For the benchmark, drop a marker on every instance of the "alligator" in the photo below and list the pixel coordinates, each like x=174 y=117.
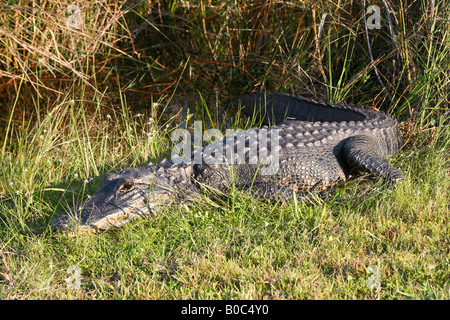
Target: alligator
x=303 y=146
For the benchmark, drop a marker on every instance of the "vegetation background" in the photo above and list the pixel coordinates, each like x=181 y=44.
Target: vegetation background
x=88 y=87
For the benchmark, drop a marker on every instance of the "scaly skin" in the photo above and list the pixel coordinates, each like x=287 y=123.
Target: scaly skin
x=314 y=149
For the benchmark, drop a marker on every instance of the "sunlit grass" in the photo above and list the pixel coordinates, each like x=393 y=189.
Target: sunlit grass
x=59 y=140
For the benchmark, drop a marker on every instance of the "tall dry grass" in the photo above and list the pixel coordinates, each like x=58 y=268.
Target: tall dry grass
x=318 y=48
x=56 y=37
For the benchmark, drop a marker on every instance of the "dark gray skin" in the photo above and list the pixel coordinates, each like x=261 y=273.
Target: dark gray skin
x=318 y=146
x=129 y=194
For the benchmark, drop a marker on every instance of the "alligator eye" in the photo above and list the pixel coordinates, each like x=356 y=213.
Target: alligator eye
x=127 y=185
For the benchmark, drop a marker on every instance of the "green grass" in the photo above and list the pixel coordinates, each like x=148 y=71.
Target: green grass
x=69 y=117
x=234 y=248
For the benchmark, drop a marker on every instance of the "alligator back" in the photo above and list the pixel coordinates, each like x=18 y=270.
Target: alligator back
x=274 y=108
x=316 y=146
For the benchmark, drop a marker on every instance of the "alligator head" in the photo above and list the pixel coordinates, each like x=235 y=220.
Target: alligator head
x=127 y=195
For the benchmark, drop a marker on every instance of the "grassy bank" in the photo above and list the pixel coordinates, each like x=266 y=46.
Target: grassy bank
x=236 y=248
x=78 y=103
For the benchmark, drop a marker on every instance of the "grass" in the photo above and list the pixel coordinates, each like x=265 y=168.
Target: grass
x=62 y=134
x=235 y=248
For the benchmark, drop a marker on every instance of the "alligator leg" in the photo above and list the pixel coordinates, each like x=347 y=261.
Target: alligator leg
x=361 y=152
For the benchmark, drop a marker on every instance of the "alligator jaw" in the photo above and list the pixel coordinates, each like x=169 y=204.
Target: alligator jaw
x=125 y=196
x=90 y=219
x=103 y=211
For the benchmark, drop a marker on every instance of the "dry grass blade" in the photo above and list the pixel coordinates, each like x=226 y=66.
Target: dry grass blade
x=48 y=37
